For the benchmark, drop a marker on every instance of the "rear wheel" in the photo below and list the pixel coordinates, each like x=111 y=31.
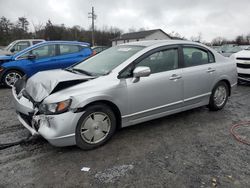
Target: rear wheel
x=95 y=127
x=219 y=96
x=10 y=77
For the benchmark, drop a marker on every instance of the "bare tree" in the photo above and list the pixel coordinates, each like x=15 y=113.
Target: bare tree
x=197 y=38
x=37 y=28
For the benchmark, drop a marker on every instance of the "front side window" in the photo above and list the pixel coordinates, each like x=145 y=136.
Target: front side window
x=109 y=59
x=68 y=49
x=195 y=56
x=211 y=57
x=161 y=61
x=42 y=52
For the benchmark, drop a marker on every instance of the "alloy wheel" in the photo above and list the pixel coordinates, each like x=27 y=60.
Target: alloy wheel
x=11 y=78
x=220 y=95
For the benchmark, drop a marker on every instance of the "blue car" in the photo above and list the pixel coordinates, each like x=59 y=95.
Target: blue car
x=43 y=56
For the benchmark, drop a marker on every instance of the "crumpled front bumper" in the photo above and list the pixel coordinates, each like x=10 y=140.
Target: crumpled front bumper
x=58 y=129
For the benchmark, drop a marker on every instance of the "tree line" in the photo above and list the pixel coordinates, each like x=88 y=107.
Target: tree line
x=239 y=40
x=10 y=31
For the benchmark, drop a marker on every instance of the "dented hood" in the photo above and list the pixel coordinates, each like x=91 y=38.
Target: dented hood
x=42 y=84
x=4 y=52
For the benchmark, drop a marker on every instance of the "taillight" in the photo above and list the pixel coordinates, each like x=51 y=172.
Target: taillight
x=1 y=69
x=94 y=53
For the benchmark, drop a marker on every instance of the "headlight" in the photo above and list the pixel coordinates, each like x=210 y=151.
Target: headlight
x=55 y=108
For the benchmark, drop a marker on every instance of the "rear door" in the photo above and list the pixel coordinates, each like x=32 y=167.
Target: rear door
x=70 y=54
x=199 y=73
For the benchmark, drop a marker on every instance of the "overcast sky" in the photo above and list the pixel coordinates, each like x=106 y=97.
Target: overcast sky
x=212 y=18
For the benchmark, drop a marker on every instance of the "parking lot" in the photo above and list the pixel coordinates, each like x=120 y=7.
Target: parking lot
x=189 y=149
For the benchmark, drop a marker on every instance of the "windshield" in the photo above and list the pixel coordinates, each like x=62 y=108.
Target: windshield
x=109 y=59
x=230 y=49
x=9 y=46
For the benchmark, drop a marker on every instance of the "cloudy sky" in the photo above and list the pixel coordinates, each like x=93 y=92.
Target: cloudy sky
x=211 y=18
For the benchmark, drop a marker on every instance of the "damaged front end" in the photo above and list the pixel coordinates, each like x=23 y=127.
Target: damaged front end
x=55 y=121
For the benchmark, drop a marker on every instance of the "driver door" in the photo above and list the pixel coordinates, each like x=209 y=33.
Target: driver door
x=159 y=93
x=44 y=59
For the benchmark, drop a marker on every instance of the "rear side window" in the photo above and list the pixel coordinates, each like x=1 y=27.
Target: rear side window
x=36 y=42
x=69 y=49
x=195 y=56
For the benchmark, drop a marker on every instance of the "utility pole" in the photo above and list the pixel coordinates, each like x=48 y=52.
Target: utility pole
x=92 y=15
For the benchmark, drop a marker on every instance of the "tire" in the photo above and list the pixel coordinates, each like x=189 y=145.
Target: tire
x=96 y=126
x=11 y=74
x=219 y=96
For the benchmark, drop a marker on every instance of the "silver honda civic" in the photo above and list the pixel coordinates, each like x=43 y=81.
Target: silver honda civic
x=124 y=85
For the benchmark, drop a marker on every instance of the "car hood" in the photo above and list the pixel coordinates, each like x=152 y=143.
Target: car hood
x=243 y=53
x=5 y=57
x=42 y=84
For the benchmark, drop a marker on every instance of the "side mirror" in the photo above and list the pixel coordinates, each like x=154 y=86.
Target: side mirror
x=12 y=50
x=31 y=56
x=141 y=72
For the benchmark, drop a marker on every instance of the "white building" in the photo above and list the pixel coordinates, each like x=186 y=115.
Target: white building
x=156 y=34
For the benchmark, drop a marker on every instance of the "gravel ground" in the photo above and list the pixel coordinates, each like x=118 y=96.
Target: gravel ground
x=189 y=149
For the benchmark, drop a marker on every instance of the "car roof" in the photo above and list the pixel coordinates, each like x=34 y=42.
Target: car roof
x=98 y=46
x=29 y=40
x=65 y=42
x=148 y=43
x=51 y=42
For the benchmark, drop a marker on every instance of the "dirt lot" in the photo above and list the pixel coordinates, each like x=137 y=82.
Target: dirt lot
x=190 y=149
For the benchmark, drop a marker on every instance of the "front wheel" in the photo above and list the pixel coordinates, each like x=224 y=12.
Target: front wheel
x=95 y=127
x=219 y=96
x=10 y=77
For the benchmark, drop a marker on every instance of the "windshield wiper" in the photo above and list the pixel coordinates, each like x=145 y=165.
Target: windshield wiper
x=69 y=69
x=74 y=70
x=79 y=70
x=83 y=71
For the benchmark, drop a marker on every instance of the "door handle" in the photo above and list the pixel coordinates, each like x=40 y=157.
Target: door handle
x=210 y=70
x=175 y=77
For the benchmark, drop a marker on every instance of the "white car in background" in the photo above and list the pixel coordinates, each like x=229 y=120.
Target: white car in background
x=242 y=59
x=19 y=45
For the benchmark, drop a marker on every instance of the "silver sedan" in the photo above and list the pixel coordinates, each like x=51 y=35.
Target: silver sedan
x=128 y=84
